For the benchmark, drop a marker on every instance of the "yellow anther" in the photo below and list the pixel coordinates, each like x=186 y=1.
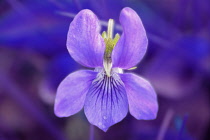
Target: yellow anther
x=104 y=35
x=133 y=68
x=116 y=38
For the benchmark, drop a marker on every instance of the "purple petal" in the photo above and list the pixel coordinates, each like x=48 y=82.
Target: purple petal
x=132 y=45
x=106 y=102
x=72 y=91
x=84 y=42
x=142 y=98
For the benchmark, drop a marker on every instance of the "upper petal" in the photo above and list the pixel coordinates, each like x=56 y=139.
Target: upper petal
x=106 y=102
x=84 y=42
x=132 y=45
x=72 y=91
x=142 y=98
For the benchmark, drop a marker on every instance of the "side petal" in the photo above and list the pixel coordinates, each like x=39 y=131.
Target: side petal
x=72 y=91
x=84 y=42
x=142 y=98
x=106 y=102
x=132 y=45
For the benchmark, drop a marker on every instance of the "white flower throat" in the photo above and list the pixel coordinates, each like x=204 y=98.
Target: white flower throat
x=110 y=43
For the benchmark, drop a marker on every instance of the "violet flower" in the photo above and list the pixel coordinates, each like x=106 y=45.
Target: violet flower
x=106 y=93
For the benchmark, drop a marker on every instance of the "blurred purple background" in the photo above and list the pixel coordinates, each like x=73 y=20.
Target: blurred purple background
x=34 y=60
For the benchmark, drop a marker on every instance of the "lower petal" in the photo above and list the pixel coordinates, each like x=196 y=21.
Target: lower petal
x=106 y=102
x=141 y=97
x=72 y=91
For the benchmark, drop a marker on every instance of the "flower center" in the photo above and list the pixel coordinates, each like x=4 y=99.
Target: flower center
x=110 y=44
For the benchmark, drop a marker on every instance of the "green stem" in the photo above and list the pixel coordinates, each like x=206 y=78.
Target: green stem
x=91 y=136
